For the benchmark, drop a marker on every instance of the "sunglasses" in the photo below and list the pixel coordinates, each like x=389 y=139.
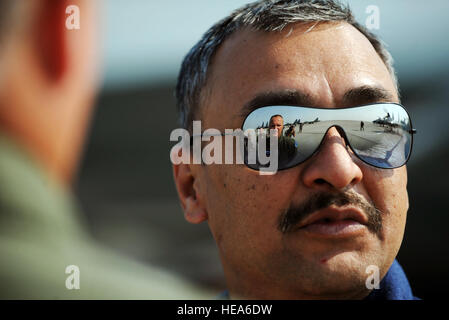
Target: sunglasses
x=379 y=134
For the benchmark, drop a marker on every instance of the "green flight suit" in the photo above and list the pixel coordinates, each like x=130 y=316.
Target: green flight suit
x=41 y=234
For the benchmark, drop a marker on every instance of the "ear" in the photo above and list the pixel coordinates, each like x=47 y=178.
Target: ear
x=50 y=38
x=194 y=210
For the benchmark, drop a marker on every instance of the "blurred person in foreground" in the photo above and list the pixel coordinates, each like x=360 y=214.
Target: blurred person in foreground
x=48 y=79
x=317 y=229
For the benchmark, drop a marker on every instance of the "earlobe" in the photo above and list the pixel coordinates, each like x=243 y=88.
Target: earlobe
x=194 y=210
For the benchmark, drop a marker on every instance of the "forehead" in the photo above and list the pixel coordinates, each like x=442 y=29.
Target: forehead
x=276 y=119
x=323 y=63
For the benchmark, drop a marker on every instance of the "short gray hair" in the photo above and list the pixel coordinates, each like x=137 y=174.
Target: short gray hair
x=262 y=15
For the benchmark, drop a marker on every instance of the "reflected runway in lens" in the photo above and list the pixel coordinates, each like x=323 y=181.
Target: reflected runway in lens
x=382 y=146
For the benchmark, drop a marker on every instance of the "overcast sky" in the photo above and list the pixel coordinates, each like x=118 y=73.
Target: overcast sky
x=145 y=40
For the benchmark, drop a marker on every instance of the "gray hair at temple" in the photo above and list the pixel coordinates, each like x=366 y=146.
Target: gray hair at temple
x=262 y=15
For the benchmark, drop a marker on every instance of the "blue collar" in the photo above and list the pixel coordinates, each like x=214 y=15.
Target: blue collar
x=394 y=286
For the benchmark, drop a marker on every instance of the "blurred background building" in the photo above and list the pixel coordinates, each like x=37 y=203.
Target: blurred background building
x=125 y=181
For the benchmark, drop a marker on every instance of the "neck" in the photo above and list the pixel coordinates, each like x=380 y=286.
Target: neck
x=273 y=293
x=263 y=287
x=50 y=153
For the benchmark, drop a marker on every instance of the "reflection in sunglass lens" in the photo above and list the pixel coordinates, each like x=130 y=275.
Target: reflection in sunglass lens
x=379 y=134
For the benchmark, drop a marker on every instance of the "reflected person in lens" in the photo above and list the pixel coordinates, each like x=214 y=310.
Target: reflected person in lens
x=286 y=145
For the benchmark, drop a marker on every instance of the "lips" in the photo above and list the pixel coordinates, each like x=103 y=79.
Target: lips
x=335 y=222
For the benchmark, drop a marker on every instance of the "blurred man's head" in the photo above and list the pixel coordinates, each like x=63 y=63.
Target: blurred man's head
x=48 y=77
x=307 y=53
x=277 y=122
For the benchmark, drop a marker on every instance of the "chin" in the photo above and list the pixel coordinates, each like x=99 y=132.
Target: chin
x=347 y=261
x=342 y=276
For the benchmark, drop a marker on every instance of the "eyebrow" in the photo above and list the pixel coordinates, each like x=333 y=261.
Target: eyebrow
x=275 y=98
x=366 y=95
x=353 y=97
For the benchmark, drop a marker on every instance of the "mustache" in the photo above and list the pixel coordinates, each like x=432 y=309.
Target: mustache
x=297 y=213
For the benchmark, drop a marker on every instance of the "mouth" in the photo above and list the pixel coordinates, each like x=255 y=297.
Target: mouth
x=335 y=223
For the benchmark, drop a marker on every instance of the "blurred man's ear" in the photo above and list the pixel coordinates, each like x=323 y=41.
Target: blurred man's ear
x=52 y=78
x=58 y=47
x=194 y=210
x=50 y=38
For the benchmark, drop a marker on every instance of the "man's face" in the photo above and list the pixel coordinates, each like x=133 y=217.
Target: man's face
x=277 y=123
x=332 y=66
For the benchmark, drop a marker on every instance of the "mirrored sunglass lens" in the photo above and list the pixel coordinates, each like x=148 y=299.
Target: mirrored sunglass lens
x=379 y=134
x=298 y=133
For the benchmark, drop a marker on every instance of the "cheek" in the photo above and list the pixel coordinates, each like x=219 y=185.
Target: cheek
x=244 y=206
x=388 y=190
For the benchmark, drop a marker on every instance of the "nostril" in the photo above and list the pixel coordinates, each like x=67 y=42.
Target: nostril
x=320 y=181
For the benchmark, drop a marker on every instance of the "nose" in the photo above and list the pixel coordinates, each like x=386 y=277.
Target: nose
x=333 y=167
